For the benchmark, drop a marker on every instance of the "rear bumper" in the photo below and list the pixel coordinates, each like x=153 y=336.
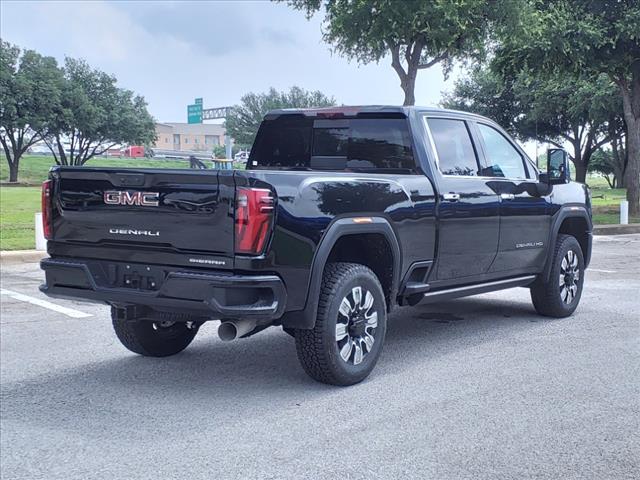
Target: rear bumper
x=162 y=288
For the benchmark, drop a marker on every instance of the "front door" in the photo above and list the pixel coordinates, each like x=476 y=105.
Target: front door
x=468 y=209
x=524 y=213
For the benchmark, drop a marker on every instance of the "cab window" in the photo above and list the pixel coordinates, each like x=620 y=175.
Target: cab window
x=456 y=155
x=503 y=159
x=357 y=144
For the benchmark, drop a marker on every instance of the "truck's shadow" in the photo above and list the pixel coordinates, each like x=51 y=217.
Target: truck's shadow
x=259 y=375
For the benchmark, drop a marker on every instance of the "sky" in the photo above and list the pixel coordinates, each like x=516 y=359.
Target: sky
x=172 y=52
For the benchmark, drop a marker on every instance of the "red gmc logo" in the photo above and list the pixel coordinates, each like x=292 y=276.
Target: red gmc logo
x=140 y=199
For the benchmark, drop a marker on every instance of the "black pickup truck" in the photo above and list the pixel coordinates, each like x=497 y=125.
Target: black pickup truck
x=342 y=215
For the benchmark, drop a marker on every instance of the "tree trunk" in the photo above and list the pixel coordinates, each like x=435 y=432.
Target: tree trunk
x=631 y=106
x=408 y=76
x=611 y=183
x=408 y=87
x=632 y=173
x=578 y=162
x=618 y=174
x=9 y=153
x=586 y=160
x=618 y=163
x=581 y=172
x=13 y=172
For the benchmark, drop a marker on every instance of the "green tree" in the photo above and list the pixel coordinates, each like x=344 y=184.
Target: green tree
x=220 y=151
x=583 y=36
x=602 y=162
x=243 y=121
x=30 y=88
x=556 y=109
x=611 y=162
x=95 y=115
x=486 y=93
x=418 y=34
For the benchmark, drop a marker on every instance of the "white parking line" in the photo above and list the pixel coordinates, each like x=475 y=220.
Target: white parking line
x=600 y=270
x=44 y=304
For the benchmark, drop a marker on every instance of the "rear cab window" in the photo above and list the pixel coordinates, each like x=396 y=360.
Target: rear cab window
x=456 y=153
x=298 y=142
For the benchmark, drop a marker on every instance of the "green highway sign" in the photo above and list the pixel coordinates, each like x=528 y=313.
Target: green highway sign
x=199 y=101
x=194 y=112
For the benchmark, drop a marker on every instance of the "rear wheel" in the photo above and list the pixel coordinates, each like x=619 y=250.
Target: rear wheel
x=347 y=339
x=560 y=294
x=154 y=338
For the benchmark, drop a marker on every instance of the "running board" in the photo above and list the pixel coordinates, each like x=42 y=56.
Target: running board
x=457 y=292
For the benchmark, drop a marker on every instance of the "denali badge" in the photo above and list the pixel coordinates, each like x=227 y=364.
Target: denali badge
x=128 y=231
x=141 y=199
x=529 y=245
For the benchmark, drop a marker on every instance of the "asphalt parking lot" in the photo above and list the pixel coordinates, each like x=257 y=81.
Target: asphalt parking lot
x=480 y=387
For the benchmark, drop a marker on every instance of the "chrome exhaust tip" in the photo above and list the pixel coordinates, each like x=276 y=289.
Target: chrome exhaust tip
x=233 y=329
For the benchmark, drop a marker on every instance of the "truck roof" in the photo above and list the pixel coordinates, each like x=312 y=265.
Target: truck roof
x=354 y=110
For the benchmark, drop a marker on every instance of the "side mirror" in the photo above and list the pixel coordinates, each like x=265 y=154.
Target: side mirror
x=557 y=166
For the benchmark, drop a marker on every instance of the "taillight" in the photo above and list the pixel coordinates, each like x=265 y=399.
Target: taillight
x=46 y=209
x=254 y=214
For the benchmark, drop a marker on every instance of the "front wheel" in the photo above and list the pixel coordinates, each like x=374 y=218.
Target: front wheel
x=560 y=294
x=347 y=339
x=153 y=338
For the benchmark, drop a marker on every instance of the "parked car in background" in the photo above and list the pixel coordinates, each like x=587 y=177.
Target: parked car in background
x=39 y=148
x=242 y=156
x=114 y=152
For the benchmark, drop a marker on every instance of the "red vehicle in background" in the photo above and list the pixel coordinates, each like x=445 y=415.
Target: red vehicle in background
x=134 y=151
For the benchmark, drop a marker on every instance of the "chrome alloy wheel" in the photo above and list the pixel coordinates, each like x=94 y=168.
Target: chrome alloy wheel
x=569 y=277
x=356 y=325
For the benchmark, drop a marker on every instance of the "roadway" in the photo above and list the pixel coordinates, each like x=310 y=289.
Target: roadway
x=477 y=388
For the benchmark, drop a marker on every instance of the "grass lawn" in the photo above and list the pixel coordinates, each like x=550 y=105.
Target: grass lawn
x=17 y=208
x=606 y=202
x=18 y=204
x=34 y=168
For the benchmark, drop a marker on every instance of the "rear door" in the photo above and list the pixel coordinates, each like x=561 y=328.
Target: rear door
x=524 y=213
x=468 y=209
x=172 y=210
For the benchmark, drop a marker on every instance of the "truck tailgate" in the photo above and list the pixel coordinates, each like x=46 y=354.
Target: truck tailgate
x=180 y=210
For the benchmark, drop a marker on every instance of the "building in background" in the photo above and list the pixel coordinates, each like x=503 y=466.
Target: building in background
x=194 y=137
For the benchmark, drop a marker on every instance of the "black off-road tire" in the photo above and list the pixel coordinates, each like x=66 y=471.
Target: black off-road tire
x=153 y=339
x=318 y=349
x=547 y=296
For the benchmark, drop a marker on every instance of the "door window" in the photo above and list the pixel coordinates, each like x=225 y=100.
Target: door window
x=456 y=155
x=503 y=160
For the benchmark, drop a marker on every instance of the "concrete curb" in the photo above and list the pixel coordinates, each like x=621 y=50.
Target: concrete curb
x=616 y=229
x=21 y=256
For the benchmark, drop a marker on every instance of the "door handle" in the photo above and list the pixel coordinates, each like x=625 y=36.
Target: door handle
x=507 y=196
x=451 y=197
